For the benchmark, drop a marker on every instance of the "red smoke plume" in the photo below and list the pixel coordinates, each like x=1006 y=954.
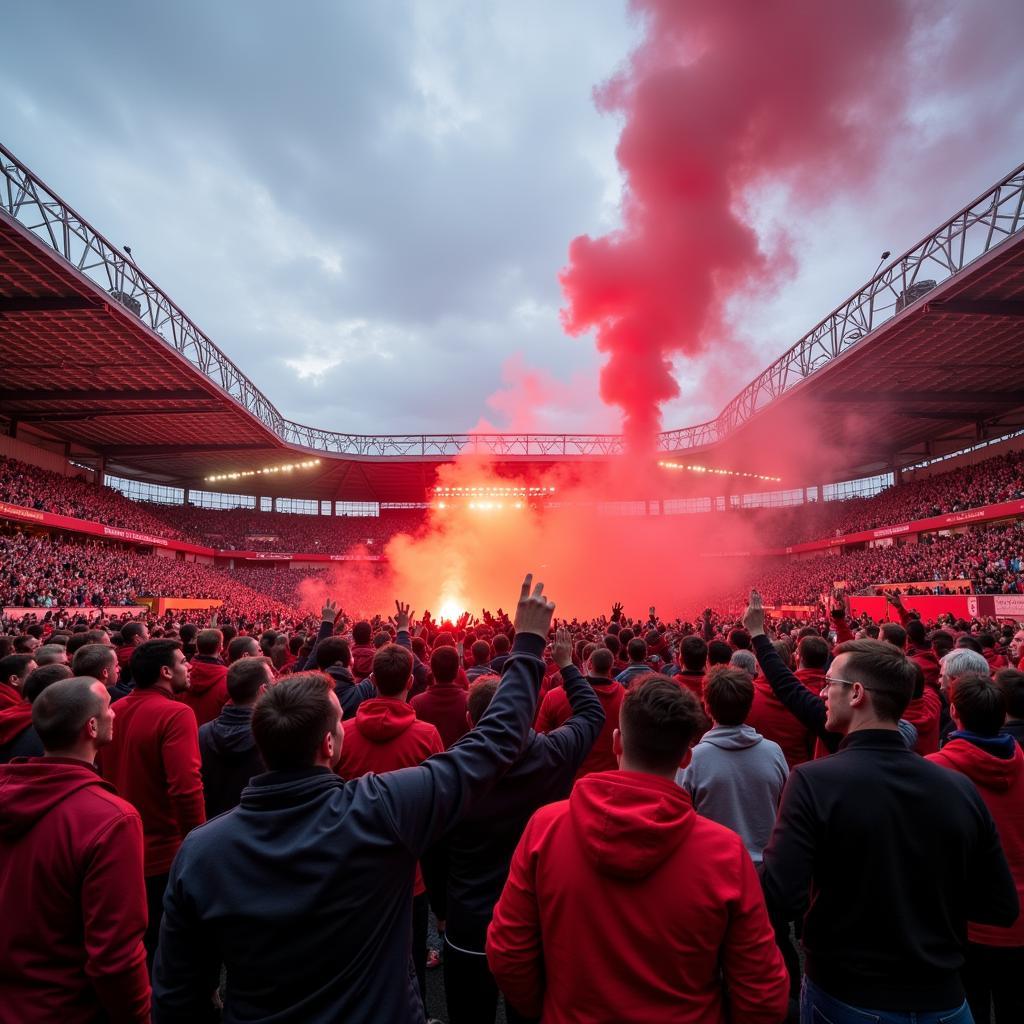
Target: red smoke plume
x=723 y=97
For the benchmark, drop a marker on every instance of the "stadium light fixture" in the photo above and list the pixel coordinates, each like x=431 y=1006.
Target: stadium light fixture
x=678 y=466
x=265 y=471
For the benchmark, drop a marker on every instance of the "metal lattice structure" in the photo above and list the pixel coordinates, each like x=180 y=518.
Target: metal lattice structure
x=976 y=230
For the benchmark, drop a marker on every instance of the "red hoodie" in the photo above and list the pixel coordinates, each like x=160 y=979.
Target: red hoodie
x=929 y=665
x=623 y=904
x=154 y=763
x=925 y=714
x=774 y=721
x=1000 y=783
x=385 y=735
x=207 y=689
x=362 y=661
x=14 y=720
x=9 y=696
x=812 y=678
x=443 y=705
x=555 y=710
x=73 y=897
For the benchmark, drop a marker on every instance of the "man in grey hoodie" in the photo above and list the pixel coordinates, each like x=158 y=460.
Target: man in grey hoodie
x=227 y=745
x=735 y=776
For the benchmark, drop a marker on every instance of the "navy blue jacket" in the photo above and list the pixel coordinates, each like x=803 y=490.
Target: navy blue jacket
x=229 y=758
x=480 y=847
x=304 y=891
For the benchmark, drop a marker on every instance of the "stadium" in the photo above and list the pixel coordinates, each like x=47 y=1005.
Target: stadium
x=720 y=724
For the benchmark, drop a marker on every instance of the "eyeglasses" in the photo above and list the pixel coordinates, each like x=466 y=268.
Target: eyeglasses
x=829 y=680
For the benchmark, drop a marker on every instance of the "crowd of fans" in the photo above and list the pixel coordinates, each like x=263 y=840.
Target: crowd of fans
x=277 y=810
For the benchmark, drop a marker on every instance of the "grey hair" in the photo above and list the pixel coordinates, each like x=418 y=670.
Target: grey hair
x=962 y=660
x=744 y=660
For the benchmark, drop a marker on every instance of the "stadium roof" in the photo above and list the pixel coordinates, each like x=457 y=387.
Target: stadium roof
x=98 y=361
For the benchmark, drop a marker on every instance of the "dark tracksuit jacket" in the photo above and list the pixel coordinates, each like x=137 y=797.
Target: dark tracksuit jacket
x=304 y=891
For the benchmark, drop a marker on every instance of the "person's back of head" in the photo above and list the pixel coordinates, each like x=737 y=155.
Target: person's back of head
x=602 y=661
x=243 y=647
x=76 y=642
x=392 y=670
x=611 y=641
x=893 y=633
x=209 y=642
x=444 y=665
x=941 y=643
x=93 y=660
x=658 y=721
x=693 y=653
x=132 y=632
x=872 y=630
x=501 y=644
x=481 y=652
x=719 y=653
x=739 y=640
x=729 y=695
x=188 y=633
x=744 y=661
x=246 y=679
x=292 y=719
x=149 y=658
x=978 y=704
x=968 y=643
x=481 y=693
x=783 y=650
x=381 y=638
x=637 y=650
x=361 y=633
x=916 y=633
x=228 y=633
x=25 y=644
x=39 y=679
x=63 y=710
x=960 y=662
x=884 y=672
x=333 y=650
x=1011 y=682
x=50 y=654
x=813 y=652
x=986 y=640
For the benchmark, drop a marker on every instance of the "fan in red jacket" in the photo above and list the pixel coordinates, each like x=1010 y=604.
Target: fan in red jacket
x=443 y=705
x=71 y=888
x=924 y=711
x=995 y=764
x=384 y=735
x=623 y=904
x=14 y=670
x=555 y=711
x=207 y=689
x=363 y=651
x=154 y=763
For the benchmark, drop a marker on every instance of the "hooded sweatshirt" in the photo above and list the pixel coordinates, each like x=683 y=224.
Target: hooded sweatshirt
x=995 y=765
x=9 y=696
x=555 y=711
x=773 y=720
x=735 y=777
x=362 y=660
x=229 y=758
x=623 y=904
x=207 y=689
x=350 y=694
x=443 y=705
x=73 y=898
x=385 y=734
x=14 y=720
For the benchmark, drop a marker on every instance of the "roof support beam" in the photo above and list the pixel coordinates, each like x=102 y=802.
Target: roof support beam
x=902 y=397
x=45 y=304
x=92 y=395
x=94 y=414
x=978 y=307
x=124 y=450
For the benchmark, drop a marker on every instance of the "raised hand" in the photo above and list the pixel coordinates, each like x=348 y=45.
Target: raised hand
x=616 y=611
x=753 y=617
x=534 y=611
x=404 y=615
x=329 y=612
x=561 y=649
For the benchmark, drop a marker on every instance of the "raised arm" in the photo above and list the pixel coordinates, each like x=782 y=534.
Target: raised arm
x=571 y=741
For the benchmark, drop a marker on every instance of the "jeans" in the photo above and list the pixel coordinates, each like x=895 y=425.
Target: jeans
x=818 y=1007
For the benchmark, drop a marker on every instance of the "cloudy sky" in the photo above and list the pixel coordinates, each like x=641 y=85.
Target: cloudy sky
x=366 y=205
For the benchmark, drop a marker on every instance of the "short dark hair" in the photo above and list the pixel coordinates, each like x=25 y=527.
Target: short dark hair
x=331 y=651
x=291 y=719
x=48 y=653
x=92 y=660
x=729 y=695
x=814 y=652
x=60 y=712
x=740 y=639
x=637 y=649
x=392 y=669
x=361 y=633
x=942 y=641
x=240 y=646
x=130 y=630
x=601 y=661
x=1011 y=682
x=381 y=638
x=501 y=644
x=893 y=633
x=245 y=678
x=151 y=656
x=980 y=704
x=659 y=720
x=481 y=693
x=40 y=678
x=209 y=642
x=15 y=665
x=693 y=653
x=444 y=664
x=885 y=671
x=188 y=632
x=481 y=652
x=611 y=641
x=229 y=633
x=916 y=632
x=719 y=652
x=23 y=643
x=969 y=642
